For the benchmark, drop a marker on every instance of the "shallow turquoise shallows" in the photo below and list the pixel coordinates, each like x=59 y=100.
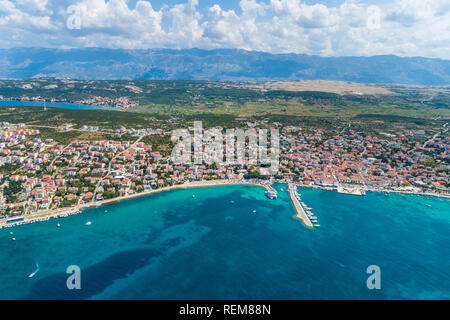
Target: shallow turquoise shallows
x=212 y=245
x=62 y=105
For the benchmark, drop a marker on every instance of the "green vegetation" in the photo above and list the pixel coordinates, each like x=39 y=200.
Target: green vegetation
x=12 y=190
x=430 y=162
x=158 y=100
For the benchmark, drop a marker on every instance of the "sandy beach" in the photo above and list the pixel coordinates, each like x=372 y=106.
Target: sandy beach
x=300 y=213
x=63 y=212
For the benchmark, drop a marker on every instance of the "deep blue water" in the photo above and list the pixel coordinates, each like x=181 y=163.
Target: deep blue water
x=173 y=246
x=63 y=105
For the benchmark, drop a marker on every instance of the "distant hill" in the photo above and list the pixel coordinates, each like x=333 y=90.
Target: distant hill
x=222 y=64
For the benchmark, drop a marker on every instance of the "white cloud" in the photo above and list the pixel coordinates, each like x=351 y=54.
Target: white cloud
x=15 y=19
x=406 y=27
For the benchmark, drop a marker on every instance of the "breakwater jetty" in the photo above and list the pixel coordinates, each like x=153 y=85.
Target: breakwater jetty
x=271 y=193
x=300 y=211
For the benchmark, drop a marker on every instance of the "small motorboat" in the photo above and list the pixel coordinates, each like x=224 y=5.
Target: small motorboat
x=58 y=225
x=13 y=239
x=88 y=223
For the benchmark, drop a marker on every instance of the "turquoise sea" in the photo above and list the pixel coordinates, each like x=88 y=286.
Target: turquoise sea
x=62 y=105
x=172 y=245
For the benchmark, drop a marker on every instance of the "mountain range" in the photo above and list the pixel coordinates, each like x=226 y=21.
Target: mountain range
x=220 y=64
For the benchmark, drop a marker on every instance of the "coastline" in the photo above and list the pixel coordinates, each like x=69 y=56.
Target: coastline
x=428 y=194
x=64 y=212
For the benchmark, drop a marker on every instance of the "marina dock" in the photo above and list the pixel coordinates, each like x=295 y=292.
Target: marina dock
x=301 y=214
x=354 y=190
x=271 y=193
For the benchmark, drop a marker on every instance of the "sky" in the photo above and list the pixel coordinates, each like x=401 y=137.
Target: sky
x=325 y=28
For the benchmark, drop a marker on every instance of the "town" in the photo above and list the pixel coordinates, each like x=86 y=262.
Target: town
x=40 y=174
x=99 y=101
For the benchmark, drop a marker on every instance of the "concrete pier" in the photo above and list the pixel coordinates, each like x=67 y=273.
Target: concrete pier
x=301 y=214
x=348 y=189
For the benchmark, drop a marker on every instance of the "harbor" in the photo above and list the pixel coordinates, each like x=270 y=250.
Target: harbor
x=271 y=193
x=356 y=190
x=300 y=210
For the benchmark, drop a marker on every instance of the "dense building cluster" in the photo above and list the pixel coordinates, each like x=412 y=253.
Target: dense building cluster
x=42 y=174
x=395 y=162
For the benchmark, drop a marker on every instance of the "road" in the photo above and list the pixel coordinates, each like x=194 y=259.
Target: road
x=110 y=164
x=445 y=129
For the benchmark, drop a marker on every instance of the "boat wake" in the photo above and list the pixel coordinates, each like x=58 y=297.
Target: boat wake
x=34 y=273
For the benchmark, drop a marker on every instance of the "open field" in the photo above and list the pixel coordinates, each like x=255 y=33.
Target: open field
x=338 y=87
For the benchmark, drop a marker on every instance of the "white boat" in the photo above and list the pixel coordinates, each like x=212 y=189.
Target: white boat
x=34 y=273
x=193 y=196
x=58 y=225
x=88 y=223
x=13 y=239
x=316 y=225
x=271 y=194
x=254 y=211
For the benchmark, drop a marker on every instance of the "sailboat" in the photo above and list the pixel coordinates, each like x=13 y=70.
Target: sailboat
x=35 y=271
